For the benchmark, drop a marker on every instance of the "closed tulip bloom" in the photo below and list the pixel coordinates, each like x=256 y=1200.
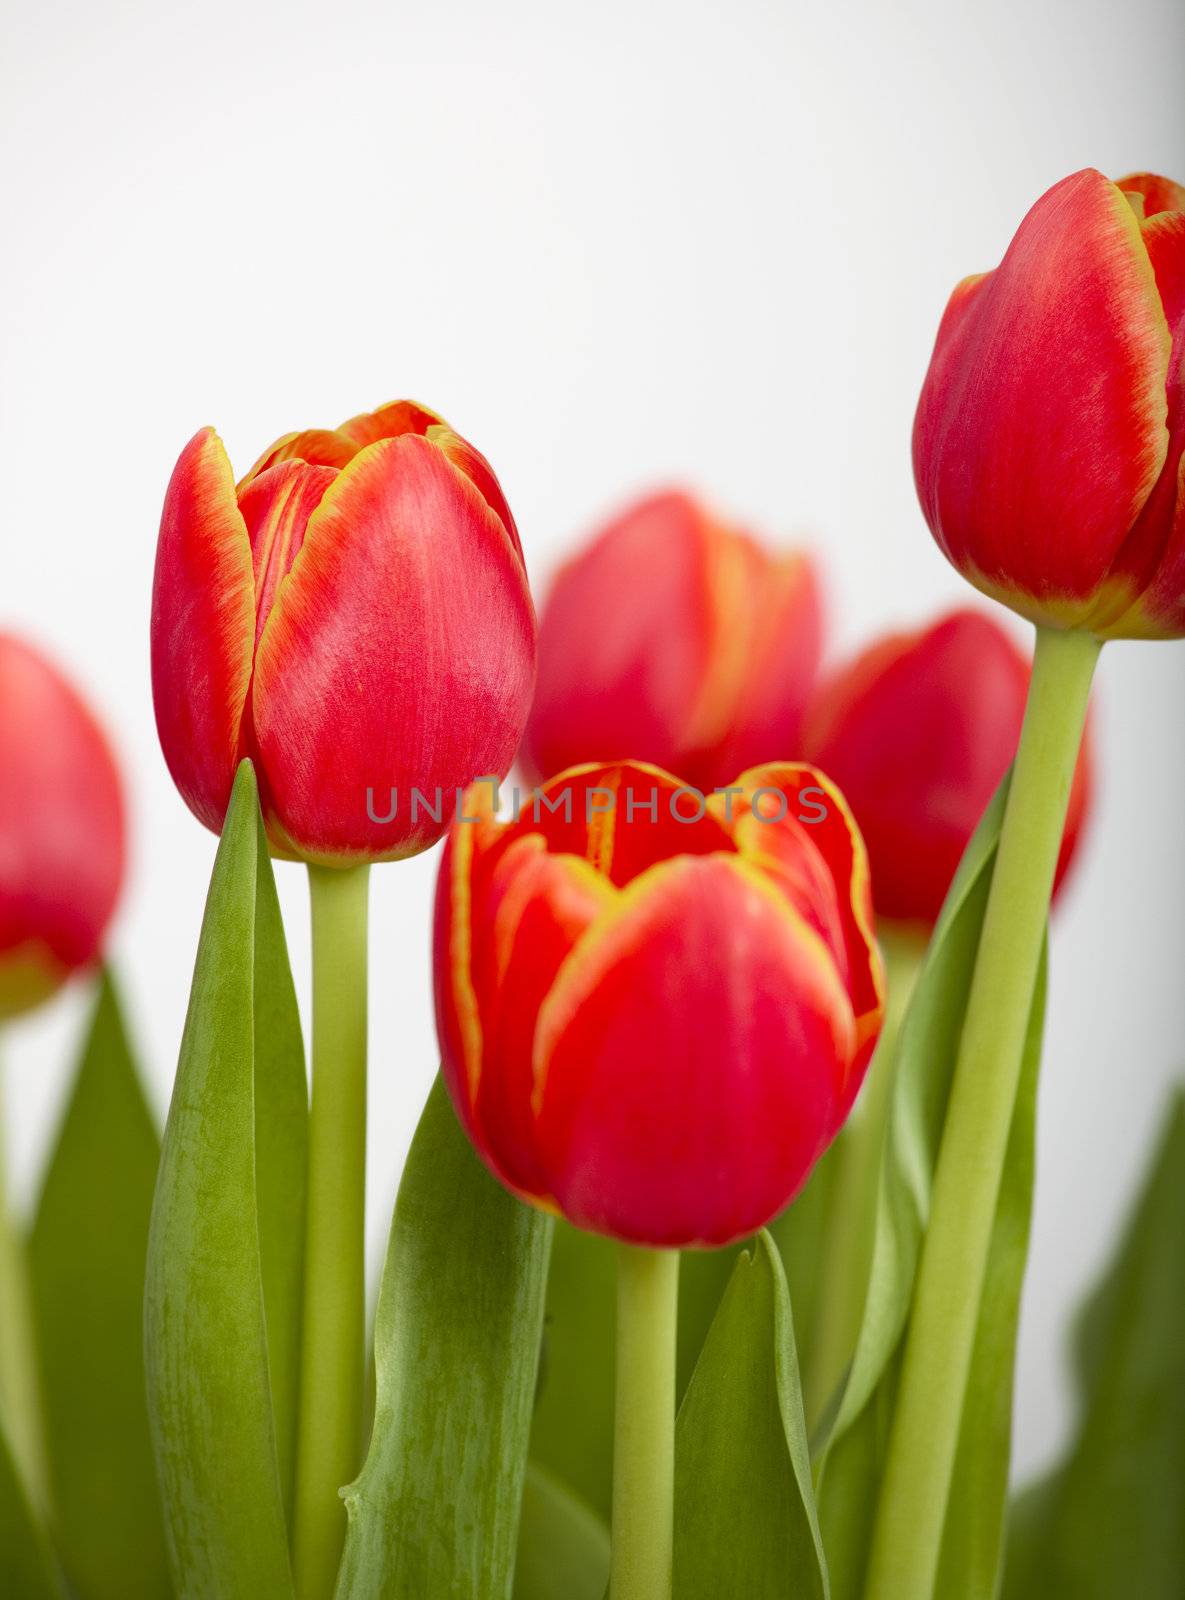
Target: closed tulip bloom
x=675 y=639
x=655 y=1025
x=62 y=829
x=918 y=730
x=1048 y=439
x=354 y=616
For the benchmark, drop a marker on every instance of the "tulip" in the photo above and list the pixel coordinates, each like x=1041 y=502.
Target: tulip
x=675 y=639
x=655 y=1011
x=62 y=829
x=917 y=731
x=1048 y=440
x=1048 y=456
x=355 y=617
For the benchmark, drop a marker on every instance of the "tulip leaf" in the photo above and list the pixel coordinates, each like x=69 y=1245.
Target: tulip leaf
x=435 y=1510
x=745 y=1521
x=800 y=1234
x=28 y=1569
x=1110 y=1519
x=86 y=1268
x=572 y=1434
x=850 y=1455
x=222 y=1296
x=572 y=1430
x=563 y=1546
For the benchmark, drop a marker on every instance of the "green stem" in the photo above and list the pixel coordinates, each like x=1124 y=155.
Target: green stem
x=329 y=1442
x=20 y=1390
x=644 y=1430
x=851 y=1222
x=911 y=1514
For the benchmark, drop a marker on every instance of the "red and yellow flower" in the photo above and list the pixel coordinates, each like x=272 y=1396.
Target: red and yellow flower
x=918 y=730
x=655 y=1011
x=62 y=829
x=1049 y=434
x=676 y=639
x=354 y=616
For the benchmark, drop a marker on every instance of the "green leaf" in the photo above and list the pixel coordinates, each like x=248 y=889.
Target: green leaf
x=572 y=1434
x=800 y=1234
x=572 y=1430
x=86 y=1269
x=1110 y=1520
x=222 y=1303
x=27 y=1567
x=745 y=1521
x=851 y=1454
x=563 y=1546
x=435 y=1510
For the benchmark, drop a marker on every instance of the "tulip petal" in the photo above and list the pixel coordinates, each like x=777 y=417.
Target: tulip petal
x=783 y=644
x=203 y=627
x=1041 y=426
x=1155 y=551
x=319 y=447
x=458 y=1022
x=1158 y=194
x=816 y=809
x=536 y=907
x=700 y=964
x=623 y=817
x=391 y=421
x=276 y=507
x=475 y=467
x=62 y=827
x=336 y=447
x=625 y=672
x=397 y=656
x=917 y=732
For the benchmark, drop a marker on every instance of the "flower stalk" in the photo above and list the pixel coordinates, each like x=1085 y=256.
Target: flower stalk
x=911 y=1513
x=329 y=1448
x=644 y=1429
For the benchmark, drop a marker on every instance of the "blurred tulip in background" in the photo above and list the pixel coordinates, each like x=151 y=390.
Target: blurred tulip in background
x=673 y=637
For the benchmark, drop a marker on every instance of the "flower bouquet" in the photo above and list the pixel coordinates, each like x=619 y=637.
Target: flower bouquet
x=704 y=1274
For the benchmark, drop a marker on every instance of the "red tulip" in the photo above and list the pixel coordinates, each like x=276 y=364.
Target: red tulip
x=655 y=1011
x=918 y=731
x=355 y=617
x=62 y=830
x=675 y=639
x=1048 y=440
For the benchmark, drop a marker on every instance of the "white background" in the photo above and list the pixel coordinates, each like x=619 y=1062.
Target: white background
x=613 y=245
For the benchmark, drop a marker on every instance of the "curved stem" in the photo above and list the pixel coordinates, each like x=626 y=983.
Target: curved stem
x=329 y=1440
x=911 y=1514
x=644 y=1428
x=851 y=1222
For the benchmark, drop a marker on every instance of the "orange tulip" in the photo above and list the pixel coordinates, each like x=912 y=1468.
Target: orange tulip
x=655 y=1010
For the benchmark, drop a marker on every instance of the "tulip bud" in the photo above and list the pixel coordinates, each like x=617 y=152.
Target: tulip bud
x=655 y=1010
x=1048 y=440
x=918 y=730
x=62 y=832
x=355 y=617
x=675 y=639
